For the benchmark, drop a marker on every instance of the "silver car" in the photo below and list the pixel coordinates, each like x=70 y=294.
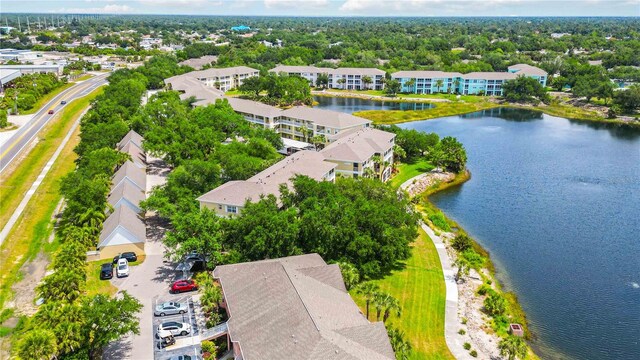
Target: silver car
x=175 y=328
x=170 y=308
x=182 y=357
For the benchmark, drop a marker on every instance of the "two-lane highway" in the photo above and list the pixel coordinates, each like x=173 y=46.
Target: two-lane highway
x=10 y=150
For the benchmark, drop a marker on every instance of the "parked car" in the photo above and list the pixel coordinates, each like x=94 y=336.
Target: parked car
x=63 y=102
x=175 y=328
x=50 y=112
x=170 y=308
x=106 y=271
x=183 y=285
x=182 y=357
x=130 y=256
x=122 y=269
x=166 y=338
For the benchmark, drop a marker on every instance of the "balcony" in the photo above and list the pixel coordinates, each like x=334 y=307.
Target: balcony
x=214 y=332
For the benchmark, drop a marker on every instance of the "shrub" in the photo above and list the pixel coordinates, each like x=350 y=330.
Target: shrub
x=461 y=242
x=439 y=221
x=209 y=347
x=464 y=321
x=495 y=304
x=461 y=332
x=466 y=346
x=484 y=289
x=473 y=353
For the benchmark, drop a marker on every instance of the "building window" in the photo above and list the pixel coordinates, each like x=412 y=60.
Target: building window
x=220 y=207
x=232 y=209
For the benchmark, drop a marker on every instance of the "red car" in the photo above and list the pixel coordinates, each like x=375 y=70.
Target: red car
x=183 y=285
x=51 y=112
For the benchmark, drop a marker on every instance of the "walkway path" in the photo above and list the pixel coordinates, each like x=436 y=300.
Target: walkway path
x=452 y=322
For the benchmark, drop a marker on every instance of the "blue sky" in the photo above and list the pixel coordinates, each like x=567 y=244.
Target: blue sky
x=333 y=7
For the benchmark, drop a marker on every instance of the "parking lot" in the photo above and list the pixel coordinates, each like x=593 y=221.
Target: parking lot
x=185 y=345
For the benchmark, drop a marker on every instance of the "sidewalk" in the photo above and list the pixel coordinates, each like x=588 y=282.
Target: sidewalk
x=452 y=322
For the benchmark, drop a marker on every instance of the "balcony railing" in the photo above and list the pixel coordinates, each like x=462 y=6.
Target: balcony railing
x=214 y=332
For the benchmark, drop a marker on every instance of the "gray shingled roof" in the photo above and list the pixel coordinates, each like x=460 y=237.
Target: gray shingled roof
x=329 y=118
x=254 y=107
x=278 y=310
x=130 y=171
x=308 y=163
x=137 y=155
x=221 y=72
x=358 y=145
x=527 y=70
x=128 y=191
x=131 y=136
x=128 y=219
x=198 y=63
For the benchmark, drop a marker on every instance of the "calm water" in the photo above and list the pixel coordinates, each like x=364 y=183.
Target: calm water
x=350 y=105
x=557 y=204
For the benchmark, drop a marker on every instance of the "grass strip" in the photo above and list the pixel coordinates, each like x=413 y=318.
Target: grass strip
x=15 y=183
x=35 y=225
x=439 y=110
x=407 y=171
x=420 y=288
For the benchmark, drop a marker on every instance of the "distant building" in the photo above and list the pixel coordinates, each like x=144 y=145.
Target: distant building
x=475 y=83
x=296 y=307
x=31 y=69
x=224 y=79
x=6 y=76
x=200 y=62
x=340 y=78
x=240 y=28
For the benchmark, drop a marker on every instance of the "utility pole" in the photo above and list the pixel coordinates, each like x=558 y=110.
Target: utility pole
x=28 y=25
x=19 y=26
x=39 y=27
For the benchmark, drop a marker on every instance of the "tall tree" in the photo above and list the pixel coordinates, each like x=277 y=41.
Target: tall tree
x=37 y=344
x=369 y=291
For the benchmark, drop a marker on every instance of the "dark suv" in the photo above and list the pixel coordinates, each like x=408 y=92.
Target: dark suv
x=106 y=271
x=130 y=256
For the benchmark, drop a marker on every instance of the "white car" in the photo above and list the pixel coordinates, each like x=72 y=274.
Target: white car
x=175 y=328
x=122 y=269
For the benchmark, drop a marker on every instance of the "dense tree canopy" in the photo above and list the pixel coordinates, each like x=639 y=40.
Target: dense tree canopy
x=524 y=89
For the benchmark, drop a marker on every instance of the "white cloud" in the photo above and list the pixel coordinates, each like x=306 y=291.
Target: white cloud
x=414 y=6
x=284 y=4
x=107 y=9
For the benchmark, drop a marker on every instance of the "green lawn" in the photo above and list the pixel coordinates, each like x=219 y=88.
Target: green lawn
x=439 y=110
x=45 y=99
x=94 y=284
x=407 y=171
x=452 y=97
x=421 y=291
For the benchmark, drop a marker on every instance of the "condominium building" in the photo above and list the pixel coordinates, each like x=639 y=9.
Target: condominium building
x=299 y=122
x=224 y=79
x=475 y=83
x=229 y=199
x=295 y=307
x=362 y=152
x=340 y=78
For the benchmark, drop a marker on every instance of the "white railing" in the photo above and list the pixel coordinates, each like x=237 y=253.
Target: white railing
x=214 y=332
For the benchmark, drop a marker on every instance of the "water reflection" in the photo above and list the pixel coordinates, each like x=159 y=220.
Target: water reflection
x=509 y=114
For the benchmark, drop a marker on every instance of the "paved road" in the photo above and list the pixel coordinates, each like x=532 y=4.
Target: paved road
x=10 y=150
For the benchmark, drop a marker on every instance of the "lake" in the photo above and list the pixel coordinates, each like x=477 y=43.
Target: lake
x=557 y=204
x=349 y=105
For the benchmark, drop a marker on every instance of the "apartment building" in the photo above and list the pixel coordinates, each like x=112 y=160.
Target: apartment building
x=296 y=307
x=299 y=123
x=224 y=79
x=362 y=152
x=229 y=199
x=475 y=83
x=340 y=78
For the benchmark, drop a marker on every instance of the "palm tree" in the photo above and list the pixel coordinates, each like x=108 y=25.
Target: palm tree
x=67 y=334
x=378 y=163
x=319 y=141
x=306 y=133
x=513 y=347
x=342 y=81
x=401 y=347
x=410 y=84
x=369 y=172
x=439 y=84
x=366 y=80
x=456 y=84
x=391 y=305
x=38 y=344
x=369 y=291
x=380 y=301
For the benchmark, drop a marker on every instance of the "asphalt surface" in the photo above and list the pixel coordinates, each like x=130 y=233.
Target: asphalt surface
x=10 y=150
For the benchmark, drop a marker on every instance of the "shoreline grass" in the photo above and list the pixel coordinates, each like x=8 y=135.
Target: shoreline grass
x=420 y=289
x=33 y=230
x=386 y=117
x=408 y=171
